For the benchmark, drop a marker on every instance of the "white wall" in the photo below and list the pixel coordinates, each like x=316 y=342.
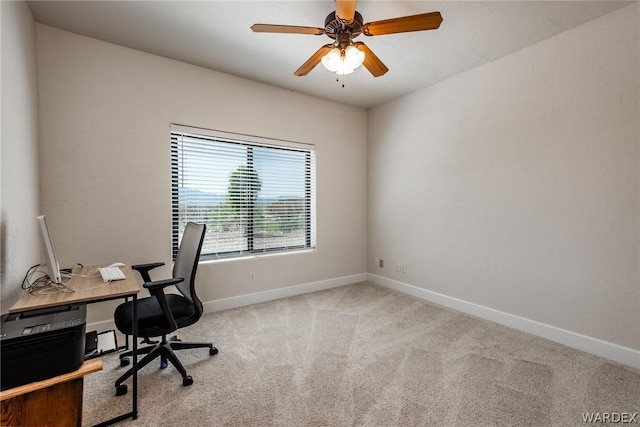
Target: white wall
x=105 y=115
x=20 y=195
x=515 y=185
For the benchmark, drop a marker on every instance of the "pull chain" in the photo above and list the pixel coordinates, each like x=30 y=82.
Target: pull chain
x=343 y=74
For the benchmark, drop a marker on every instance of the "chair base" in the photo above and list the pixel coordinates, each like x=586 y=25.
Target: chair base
x=165 y=350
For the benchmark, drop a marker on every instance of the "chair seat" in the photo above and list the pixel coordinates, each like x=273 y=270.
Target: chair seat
x=151 y=319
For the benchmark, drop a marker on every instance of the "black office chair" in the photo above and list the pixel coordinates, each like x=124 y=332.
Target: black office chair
x=160 y=314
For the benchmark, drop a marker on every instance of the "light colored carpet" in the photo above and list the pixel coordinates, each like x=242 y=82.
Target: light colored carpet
x=370 y=356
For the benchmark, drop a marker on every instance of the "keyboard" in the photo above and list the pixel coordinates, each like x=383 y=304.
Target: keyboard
x=111 y=273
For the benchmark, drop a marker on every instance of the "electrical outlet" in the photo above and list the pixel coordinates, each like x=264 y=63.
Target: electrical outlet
x=252 y=277
x=398 y=268
x=404 y=268
x=381 y=263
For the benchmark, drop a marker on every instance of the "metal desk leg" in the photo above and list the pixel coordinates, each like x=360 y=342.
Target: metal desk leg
x=126 y=337
x=135 y=357
x=134 y=406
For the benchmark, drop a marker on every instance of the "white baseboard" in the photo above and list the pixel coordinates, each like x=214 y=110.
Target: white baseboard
x=101 y=326
x=273 y=294
x=615 y=352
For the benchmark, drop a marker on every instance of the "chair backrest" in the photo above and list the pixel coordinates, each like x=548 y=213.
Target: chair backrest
x=186 y=263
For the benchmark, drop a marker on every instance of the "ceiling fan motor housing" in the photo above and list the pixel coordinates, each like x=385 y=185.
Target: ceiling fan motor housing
x=334 y=26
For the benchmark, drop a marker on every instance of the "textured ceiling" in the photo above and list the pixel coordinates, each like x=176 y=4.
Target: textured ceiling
x=217 y=35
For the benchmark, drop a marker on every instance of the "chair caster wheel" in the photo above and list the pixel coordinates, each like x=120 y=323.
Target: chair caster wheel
x=121 y=390
x=187 y=380
x=124 y=362
x=213 y=351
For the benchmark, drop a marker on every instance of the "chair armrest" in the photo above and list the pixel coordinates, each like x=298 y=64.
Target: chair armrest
x=144 y=269
x=156 y=289
x=161 y=284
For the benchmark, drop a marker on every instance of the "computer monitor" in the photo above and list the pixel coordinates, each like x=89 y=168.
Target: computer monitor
x=51 y=263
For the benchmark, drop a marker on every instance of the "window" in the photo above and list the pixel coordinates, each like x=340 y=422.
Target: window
x=255 y=195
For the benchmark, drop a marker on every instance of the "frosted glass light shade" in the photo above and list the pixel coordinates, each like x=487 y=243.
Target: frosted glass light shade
x=344 y=69
x=332 y=60
x=353 y=57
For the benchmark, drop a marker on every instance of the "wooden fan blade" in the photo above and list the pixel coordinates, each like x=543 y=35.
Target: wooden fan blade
x=289 y=29
x=313 y=61
x=405 y=24
x=371 y=61
x=346 y=9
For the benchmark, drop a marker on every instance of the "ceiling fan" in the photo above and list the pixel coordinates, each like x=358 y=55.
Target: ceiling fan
x=343 y=56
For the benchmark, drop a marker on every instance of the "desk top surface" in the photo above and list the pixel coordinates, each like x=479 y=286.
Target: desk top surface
x=89 y=288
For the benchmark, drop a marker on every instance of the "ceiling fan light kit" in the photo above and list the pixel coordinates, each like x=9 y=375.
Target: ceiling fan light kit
x=343 y=61
x=343 y=56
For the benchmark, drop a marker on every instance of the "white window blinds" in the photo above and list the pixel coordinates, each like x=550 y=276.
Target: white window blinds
x=254 y=195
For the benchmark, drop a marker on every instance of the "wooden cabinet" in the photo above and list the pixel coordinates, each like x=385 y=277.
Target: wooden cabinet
x=53 y=402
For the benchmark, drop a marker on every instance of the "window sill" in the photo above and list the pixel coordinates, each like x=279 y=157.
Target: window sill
x=235 y=258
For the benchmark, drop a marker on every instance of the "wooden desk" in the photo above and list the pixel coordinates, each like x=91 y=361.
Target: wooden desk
x=89 y=288
x=56 y=401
